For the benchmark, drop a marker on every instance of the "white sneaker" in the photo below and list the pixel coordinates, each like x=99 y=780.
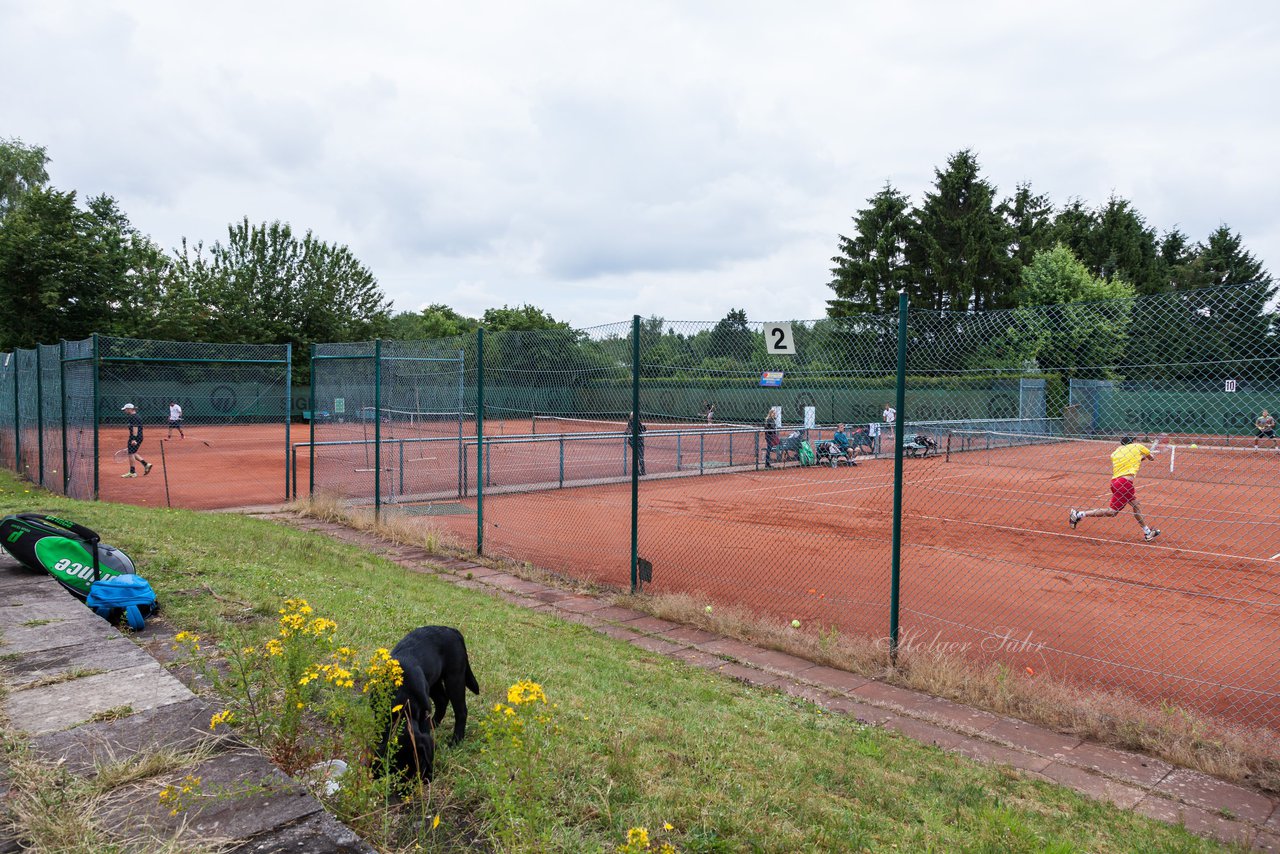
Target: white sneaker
x=1074 y=517
x=1150 y=534
x=130 y=474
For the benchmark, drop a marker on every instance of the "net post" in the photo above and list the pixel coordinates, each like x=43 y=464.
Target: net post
x=948 y=446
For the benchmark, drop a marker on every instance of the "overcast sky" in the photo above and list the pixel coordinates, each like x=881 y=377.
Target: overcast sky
x=601 y=160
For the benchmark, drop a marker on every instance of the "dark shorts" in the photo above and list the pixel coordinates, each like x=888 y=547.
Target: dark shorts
x=134 y=445
x=1266 y=434
x=175 y=422
x=1122 y=492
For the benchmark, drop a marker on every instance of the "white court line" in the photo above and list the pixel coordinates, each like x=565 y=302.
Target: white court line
x=1057 y=534
x=887 y=484
x=1097 y=539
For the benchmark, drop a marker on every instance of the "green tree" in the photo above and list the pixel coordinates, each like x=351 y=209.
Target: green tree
x=521 y=319
x=1078 y=320
x=960 y=246
x=731 y=341
x=67 y=272
x=434 y=321
x=1029 y=217
x=872 y=265
x=265 y=286
x=22 y=168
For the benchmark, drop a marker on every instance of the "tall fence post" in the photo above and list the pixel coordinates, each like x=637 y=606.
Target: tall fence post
x=62 y=408
x=39 y=418
x=480 y=441
x=17 y=422
x=288 y=414
x=97 y=370
x=311 y=438
x=377 y=428
x=896 y=559
x=635 y=452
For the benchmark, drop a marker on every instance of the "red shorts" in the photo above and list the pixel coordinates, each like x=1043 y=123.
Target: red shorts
x=1122 y=492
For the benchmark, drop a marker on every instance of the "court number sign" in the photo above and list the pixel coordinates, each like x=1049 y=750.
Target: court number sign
x=778 y=339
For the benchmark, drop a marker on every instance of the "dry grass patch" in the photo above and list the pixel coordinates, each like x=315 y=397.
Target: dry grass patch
x=59 y=678
x=1177 y=735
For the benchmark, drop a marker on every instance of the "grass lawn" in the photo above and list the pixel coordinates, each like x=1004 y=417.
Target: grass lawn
x=634 y=739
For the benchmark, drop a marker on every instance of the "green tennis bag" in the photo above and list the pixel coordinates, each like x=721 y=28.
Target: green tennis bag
x=73 y=554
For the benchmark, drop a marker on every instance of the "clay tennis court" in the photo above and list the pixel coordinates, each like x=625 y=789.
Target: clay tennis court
x=990 y=567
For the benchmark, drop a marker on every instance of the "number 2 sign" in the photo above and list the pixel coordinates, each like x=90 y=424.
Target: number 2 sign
x=778 y=339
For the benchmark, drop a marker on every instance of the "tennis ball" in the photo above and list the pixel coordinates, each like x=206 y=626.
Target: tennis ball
x=795 y=624
x=1193 y=444
x=708 y=609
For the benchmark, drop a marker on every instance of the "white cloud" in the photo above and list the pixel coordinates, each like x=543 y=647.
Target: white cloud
x=660 y=158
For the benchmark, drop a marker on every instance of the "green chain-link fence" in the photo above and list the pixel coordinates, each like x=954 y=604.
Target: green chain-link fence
x=1008 y=422
x=1002 y=431
x=62 y=425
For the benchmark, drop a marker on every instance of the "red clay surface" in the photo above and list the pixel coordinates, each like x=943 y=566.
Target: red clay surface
x=213 y=467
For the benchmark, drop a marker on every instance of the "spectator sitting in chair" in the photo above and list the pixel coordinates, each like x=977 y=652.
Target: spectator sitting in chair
x=861 y=444
x=789 y=445
x=843 y=446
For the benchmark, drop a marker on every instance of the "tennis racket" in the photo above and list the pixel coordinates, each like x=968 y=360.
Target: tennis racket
x=122 y=455
x=1155 y=446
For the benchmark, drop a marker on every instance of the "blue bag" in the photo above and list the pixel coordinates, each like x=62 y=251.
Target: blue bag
x=127 y=595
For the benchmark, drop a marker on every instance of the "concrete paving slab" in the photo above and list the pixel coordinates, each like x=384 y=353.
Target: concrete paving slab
x=31 y=667
x=750 y=675
x=316 y=834
x=66 y=704
x=240 y=796
x=581 y=604
x=1093 y=785
x=997 y=754
x=1213 y=794
x=779 y=662
x=1031 y=738
x=614 y=614
x=923 y=732
x=90 y=632
x=653 y=644
x=179 y=726
x=689 y=635
x=1196 y=820
x=1133 y=768
x=830 y=677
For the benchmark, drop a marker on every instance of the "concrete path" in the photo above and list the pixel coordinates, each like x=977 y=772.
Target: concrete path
x=1203 y=804
x=87 y=696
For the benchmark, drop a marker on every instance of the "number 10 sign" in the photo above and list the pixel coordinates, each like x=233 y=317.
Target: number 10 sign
x=778 y=340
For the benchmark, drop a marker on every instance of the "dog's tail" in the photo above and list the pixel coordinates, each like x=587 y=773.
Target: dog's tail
x=471 y=680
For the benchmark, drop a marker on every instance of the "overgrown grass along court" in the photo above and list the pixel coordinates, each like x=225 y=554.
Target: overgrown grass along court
x=636 y=740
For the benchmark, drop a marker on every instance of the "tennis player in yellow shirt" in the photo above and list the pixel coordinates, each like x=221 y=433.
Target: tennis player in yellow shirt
x=1125 y=462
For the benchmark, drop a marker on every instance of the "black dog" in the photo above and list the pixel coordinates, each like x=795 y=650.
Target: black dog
x=435 y=665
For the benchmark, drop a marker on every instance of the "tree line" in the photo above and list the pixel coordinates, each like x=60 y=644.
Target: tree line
x=68 y=270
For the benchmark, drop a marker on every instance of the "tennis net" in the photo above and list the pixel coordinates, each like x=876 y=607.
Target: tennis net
x=419 y=422
x=551 y=424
